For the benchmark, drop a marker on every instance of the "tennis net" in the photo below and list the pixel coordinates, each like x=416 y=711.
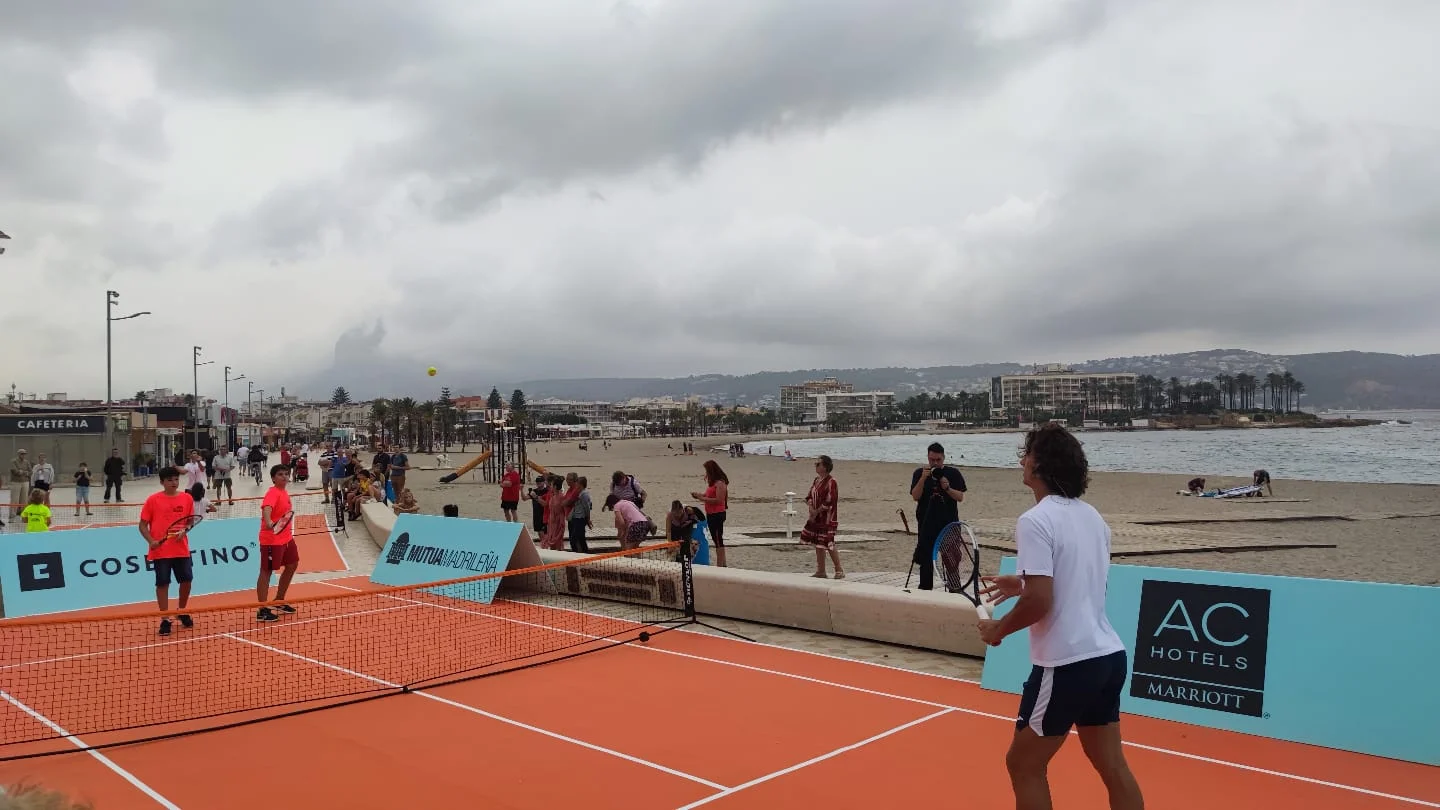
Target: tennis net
x=87 y=683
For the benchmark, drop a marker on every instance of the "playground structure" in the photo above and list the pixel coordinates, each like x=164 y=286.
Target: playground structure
x=504 y=444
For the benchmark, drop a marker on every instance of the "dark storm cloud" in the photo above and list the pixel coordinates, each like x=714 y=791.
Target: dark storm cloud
x=255 y=48
x=689 y=78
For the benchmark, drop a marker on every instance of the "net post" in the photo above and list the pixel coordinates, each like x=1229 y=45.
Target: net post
x=687 y=580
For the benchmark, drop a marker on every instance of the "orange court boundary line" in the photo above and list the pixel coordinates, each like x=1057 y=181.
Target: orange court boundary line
x=947 y=708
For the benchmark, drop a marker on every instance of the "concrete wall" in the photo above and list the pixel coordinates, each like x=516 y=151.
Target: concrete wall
x=929 y=620
x=379 y=520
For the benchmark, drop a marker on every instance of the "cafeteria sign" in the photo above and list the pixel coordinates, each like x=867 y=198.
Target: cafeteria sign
x=51 y=424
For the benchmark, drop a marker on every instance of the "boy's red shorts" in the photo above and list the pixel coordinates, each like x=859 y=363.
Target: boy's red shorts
x=274 y=558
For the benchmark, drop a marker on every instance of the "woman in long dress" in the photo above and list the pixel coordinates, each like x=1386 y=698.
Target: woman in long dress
x=819 y=531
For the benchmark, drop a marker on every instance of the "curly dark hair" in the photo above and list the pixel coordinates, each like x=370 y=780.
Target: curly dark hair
x=1059 y=460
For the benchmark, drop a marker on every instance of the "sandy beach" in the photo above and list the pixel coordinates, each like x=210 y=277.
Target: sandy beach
x=1374 y=532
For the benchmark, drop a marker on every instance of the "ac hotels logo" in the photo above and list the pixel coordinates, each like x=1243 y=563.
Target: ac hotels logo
x=1202 y=645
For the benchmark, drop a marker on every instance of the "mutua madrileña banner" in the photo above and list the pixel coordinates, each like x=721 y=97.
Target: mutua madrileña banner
x=431 y=548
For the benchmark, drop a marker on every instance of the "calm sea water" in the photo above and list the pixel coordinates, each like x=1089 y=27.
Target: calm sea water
x=1388 y=453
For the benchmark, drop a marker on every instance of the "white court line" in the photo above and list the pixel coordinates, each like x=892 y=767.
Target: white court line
x=516 y=723
x=192 y=639
x=747 y=641
x=960 y=709
x=99 y=757
x=807 y=763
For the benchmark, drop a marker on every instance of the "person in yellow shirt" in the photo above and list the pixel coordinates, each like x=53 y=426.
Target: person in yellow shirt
x=36 y=515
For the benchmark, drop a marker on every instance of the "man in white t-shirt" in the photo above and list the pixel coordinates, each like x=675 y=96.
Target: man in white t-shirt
x=1079 y=662
x=194 y=470
x=224 y=465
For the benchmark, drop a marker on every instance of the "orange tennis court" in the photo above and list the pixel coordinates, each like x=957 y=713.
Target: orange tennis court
x=432 y=698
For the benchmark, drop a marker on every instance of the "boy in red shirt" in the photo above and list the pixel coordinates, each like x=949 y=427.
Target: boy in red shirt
x=278 y=551
x=509 y=493
x=161 y=511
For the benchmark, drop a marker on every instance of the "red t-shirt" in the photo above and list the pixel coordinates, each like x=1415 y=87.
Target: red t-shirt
x=160 y=512
x=279 y=502
x=510 y=486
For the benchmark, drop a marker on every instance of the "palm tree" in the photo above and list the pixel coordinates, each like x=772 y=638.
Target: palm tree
x=379 y=410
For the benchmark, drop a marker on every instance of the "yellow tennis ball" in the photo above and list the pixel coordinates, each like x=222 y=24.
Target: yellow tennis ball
x=431 y=371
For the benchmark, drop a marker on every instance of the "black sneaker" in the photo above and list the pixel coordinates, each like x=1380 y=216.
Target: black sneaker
x=164 y=627
x=185 y=621
x=285 y=609
x=265 y=615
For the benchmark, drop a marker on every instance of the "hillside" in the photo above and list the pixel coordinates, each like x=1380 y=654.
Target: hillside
x=1357 y=380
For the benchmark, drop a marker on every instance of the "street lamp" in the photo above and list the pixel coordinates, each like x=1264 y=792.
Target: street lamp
x=249 y=404
x=228 y=380
x=195 y=365
x=112 y=298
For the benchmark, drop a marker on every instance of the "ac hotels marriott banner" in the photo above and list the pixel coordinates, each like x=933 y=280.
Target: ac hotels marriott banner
x=1325 y=662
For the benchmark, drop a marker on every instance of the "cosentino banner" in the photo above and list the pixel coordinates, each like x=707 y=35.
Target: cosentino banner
x=46 y=424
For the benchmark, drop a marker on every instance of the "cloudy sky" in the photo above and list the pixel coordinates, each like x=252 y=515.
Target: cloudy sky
x=323 y=191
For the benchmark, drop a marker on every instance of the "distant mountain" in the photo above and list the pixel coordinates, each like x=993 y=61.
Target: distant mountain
x=1356 y=380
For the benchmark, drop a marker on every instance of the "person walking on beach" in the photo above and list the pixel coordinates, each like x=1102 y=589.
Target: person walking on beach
x=937 y=490
x=819 y=531
x=716 y=498
x=1078 y=660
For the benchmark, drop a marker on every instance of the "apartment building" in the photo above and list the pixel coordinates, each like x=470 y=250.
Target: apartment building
x=1057 y=387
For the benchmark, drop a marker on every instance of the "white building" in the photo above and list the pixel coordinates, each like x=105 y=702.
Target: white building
x=1056 y=387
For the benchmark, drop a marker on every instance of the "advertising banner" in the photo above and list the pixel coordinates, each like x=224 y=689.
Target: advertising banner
x=430 y=548
x=50 y=572
x=1345 y=665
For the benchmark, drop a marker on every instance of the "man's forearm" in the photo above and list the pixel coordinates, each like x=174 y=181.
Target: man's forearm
x=1026 y=612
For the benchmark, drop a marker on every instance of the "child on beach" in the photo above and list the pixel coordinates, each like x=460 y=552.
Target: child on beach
x=36 y=514
x=82 y=489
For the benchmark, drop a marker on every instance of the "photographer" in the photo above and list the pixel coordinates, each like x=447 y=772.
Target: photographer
x=938 y=491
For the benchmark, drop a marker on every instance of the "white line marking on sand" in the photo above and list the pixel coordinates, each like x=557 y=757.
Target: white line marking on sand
x=99 y=757
x=807 y=763
x=455 y=704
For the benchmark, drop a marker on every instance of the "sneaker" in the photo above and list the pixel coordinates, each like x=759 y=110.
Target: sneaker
x=265 y=615
x=185 y=621
x=164 y=627
x=285 y=609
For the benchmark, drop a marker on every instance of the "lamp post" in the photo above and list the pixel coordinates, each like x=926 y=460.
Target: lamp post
x=249 y=404
x=228 y=379
x=195 y=365
x=112 y=298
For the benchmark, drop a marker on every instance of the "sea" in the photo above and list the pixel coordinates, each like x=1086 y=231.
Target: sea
x=1400 y=450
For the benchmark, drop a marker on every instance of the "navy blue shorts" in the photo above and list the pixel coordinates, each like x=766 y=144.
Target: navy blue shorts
x=182 y=567
x=1085 y=693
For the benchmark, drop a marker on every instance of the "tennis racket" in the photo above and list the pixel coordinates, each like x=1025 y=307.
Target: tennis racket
x=957 y=563
x=180 y=529
x=282 y=523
